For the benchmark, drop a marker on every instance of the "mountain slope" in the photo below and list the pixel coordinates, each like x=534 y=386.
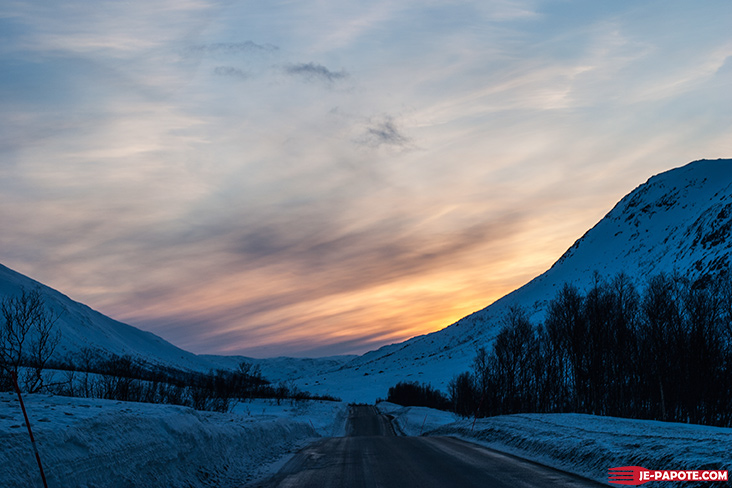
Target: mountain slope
x=679 y=220
x=81 y=327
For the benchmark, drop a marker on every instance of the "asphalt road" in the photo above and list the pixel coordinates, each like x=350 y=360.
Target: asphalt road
x=371 y=455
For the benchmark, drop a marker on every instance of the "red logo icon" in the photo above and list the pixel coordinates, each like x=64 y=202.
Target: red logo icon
x=627 y=475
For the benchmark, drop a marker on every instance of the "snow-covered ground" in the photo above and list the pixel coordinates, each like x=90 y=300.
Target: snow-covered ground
x=583 y=444
x=100 y=443
x=416 y=420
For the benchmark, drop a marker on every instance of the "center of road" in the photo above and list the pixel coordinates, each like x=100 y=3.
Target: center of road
x=371 y=455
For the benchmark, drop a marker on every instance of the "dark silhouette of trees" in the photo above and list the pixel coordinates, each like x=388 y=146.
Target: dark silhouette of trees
x=463 y=394
x=93 y=374
x=27 y=339
x=417 y=395
x=665 y=353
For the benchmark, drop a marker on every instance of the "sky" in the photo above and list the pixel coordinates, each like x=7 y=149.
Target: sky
x=316 y=178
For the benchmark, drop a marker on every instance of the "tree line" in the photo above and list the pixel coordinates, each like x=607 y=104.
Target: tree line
x=124 y=378
x=412 y=393
x=28 y=339
x=662 y=353
x=92 y=374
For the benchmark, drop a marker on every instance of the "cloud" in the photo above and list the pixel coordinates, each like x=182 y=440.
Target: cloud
x=305 y=277
x=315 y=72
x=230 y=219
x=231 y=72
x=384 y=132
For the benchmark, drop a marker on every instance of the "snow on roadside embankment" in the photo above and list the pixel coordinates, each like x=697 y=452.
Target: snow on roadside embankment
x=100 y=443
x=415 y=420
x=583 y=444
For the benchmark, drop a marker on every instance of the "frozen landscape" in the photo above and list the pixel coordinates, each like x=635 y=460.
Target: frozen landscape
x=677 y=221
x=95 y=443
x=394 y=244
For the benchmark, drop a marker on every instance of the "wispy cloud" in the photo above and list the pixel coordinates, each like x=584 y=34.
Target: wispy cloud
x=137 y=175
x=307 y=274
x=315 y=72
x=384 y=132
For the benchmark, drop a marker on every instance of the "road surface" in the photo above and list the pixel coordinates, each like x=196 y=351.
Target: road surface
x=371 y=455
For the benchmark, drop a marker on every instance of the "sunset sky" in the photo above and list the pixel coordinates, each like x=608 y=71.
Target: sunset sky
x=324 y=177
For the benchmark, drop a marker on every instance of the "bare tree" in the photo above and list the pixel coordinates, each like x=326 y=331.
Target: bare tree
x=27 y=337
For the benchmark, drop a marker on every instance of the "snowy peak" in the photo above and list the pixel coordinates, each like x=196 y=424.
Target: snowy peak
x=679 y=220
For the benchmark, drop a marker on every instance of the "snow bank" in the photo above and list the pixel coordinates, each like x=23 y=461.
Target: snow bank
x=99 y=443
x=328 y=419
x=584 y=444
x=415 y=421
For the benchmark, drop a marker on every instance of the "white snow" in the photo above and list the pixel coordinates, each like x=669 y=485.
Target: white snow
x=583 y=444
x=99 y=443
x=416 y=421
x=81 y=327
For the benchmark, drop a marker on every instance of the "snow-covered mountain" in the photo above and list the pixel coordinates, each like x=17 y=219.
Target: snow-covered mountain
x=81 y=327
x=680 y=220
